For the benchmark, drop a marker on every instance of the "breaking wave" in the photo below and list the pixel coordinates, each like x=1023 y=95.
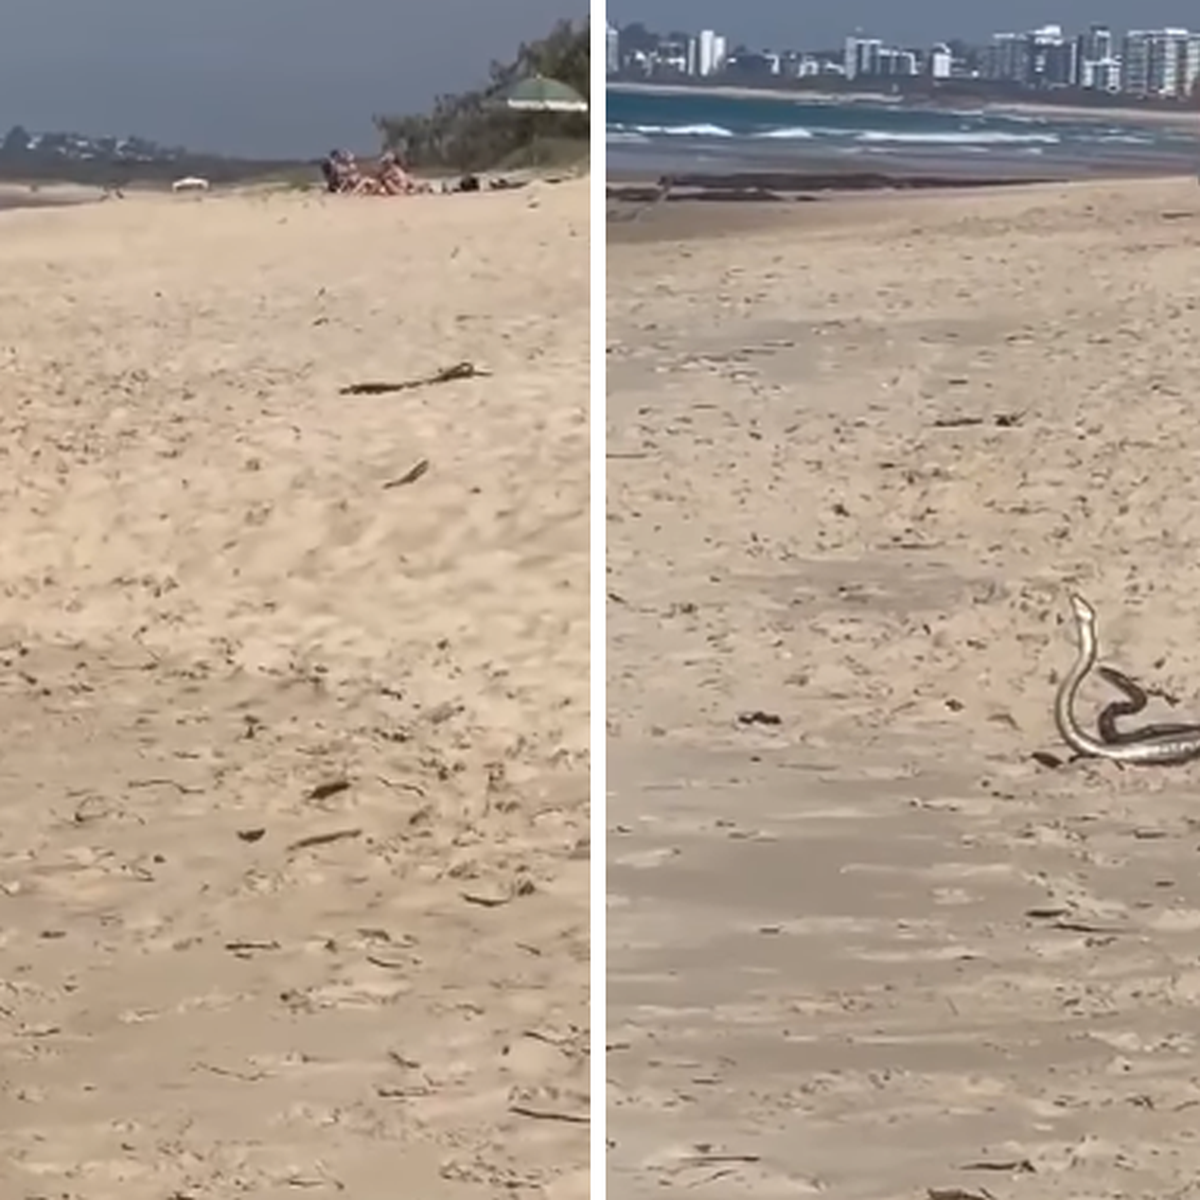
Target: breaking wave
x=978 y=137
x=714 y=131
x=788 y=133
x=681 y=125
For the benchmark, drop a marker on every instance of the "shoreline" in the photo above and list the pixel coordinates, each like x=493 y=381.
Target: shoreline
x=833 y=176
x=777 y=186
x=1157 y=118
x=17 y=196
x=642 y=213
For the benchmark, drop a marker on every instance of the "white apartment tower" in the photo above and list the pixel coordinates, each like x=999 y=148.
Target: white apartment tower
x=720 y=52
x=1190 y=70
x=710 y=52
x=862 y=56
x=1160 y=62
x=1098 y=66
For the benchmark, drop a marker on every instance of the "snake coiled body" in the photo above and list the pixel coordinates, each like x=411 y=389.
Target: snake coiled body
x=1136 y=700
x=1155 y=746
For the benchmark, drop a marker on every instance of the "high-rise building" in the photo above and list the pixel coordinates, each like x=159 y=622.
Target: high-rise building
x=720 y=53
x=1039 y=58
x=612 y=50
x=862 y=56
x=1190 y=67
x=1053 y=59
x=1097 y=67
x=710 y=52
x=1135 y=63
x=1159 y=62
x=1007 y=59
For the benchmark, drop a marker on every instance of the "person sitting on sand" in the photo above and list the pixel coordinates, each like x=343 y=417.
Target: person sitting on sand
x=329 y=169
x=341 y=173
x=355 y=180
x=394 y=180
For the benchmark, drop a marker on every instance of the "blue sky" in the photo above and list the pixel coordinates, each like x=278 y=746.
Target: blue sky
x=255 y=77
x=818 y=23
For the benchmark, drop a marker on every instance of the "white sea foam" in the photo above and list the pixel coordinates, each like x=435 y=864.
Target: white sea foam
x=979 y=137
x=793 y=133
x=684 y=130
x=1123 y=139
x=962 y=137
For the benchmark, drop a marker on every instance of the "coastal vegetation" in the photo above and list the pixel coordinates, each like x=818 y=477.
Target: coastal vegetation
x=472 y=130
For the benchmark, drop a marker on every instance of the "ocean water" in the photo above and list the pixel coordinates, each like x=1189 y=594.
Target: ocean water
x=702 y=132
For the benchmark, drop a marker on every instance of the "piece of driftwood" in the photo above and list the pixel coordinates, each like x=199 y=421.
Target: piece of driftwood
x=460 y=370
x=1000 y=421
x=410 y=476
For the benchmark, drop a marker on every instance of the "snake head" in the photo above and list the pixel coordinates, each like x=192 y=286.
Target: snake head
x=1084 y=613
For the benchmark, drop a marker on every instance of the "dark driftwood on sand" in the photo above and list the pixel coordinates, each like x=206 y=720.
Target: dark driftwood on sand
x=461 y=370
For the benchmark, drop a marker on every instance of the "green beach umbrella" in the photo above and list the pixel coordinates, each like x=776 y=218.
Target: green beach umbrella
x=539 y=94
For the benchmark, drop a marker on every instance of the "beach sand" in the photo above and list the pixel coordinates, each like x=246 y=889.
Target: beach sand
x=861 y=942
x=294 y=860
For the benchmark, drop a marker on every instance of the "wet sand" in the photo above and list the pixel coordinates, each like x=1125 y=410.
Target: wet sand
x=294 y=867
x=861 y=942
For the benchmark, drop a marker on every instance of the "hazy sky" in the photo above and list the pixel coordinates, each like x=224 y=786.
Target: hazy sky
x=278 y=77
x=815 y=23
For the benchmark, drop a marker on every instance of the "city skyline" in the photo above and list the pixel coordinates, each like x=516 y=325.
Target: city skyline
x=779 y=23
x=275 y=78
x=1162 y=64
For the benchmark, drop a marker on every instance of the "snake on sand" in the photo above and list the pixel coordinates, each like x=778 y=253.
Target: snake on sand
x=1136 y=700
x=1156 y=746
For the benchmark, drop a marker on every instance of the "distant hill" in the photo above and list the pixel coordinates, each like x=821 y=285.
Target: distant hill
x=122 y=161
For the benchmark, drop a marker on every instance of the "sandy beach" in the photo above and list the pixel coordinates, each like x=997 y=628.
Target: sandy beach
x=862 y=943
x=295 y=788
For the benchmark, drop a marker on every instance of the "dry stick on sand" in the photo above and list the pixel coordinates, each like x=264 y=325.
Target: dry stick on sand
x=521 y=1109
x=323 y=839
x=1000 y=421
x=460 y=370
x=410 y=476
